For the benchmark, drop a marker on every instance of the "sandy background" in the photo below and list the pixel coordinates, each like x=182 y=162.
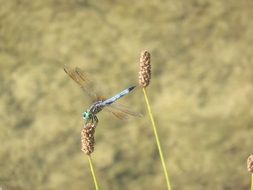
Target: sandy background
x=201 y=93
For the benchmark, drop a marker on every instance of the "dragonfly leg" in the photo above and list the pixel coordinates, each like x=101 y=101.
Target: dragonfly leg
x=96 y=119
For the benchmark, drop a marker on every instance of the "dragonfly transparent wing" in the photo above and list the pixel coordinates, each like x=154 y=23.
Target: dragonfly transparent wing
x=121 y=111
x=82 y=79
x=116 y=113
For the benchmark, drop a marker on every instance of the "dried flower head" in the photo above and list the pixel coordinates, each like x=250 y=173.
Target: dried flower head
x=145 y=69
x=250 y=163
x=87 y=138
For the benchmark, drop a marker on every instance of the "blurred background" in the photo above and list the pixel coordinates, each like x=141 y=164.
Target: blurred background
x=201 y=93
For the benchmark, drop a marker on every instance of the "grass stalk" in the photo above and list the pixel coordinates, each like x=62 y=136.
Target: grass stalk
x=157 y=140
x=93 y=173
x=251 y=181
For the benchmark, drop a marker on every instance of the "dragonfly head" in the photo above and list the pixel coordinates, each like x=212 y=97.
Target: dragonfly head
x=87 y=115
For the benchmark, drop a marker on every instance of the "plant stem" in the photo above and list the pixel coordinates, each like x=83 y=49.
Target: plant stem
x=251 y=181
x=93 y=173
x=157 y=140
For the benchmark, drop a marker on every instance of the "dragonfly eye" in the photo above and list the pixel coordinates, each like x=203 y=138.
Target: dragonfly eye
x=86 y=115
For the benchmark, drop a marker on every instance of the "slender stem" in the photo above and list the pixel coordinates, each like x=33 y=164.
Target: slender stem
x=251 y=181
x=157 y=140
x=93 y=173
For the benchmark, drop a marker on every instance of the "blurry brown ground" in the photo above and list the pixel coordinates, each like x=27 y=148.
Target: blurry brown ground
x=201 y=93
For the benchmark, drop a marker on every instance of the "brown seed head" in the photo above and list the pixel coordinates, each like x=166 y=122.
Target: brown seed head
x=250 y=163
x=145 y=69
x=87 y=138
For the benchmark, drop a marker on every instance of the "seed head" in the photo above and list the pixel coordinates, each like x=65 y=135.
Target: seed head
x=87 y=138
x=250 y=163
x=145 y=69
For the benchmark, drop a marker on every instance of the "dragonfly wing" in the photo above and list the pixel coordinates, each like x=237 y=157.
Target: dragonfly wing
x=82 y=79
x=121 y=111
x=118 y=114
x=125 y=109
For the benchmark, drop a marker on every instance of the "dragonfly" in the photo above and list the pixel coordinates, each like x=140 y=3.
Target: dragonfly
x=99 y=102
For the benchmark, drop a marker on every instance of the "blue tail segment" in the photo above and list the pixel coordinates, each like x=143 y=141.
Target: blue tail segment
x=118 y=96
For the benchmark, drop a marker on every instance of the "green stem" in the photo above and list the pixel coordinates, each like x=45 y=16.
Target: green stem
x=157 y=140
x=93 y=173
x=251 y=181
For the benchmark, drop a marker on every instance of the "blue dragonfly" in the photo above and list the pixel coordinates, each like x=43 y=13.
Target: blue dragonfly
x=99 y=102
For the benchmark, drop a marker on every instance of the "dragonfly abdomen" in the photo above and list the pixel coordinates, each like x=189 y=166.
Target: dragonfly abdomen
x=118 y=96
